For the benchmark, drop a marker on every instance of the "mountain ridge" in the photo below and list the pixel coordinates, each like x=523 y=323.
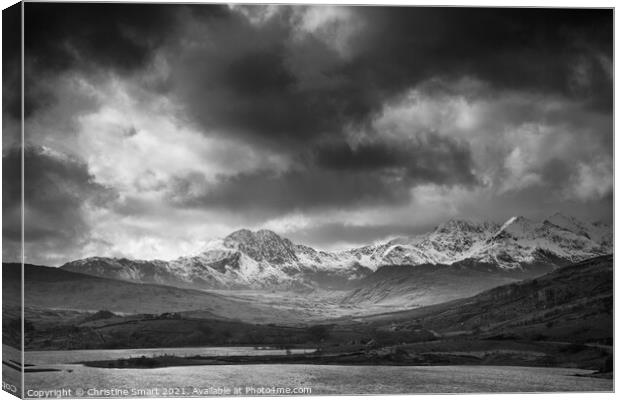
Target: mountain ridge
x=263 y=259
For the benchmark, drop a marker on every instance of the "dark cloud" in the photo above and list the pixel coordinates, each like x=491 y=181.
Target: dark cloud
x=11 y=204
x=273 y=86
x=335 y=176
x=259 y=85
x=268 y=82
x=366 y=156
x=271 y=193
x=11 y=64
x=239 y=81
x=526 y=48
x=93 y=38
x=56 y=189
x=556 y=172
x=429 y=158
x=119 y=36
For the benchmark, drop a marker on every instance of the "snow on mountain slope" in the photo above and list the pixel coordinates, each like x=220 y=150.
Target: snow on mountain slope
x=263 y=259
x=154 y=271
x=521 y=241
x=448 y=243
x=243 y=259
x=262 y=245
x=517 y=242
x=599 y=232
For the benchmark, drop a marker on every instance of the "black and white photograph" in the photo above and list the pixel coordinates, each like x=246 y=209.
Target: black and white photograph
x=211 y=199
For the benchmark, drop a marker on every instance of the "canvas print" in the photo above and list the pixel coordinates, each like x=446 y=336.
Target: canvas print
x=228 y=199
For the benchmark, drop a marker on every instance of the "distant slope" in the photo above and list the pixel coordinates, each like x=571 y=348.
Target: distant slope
x=54 y=288
x=423 y=285
x=573 y=304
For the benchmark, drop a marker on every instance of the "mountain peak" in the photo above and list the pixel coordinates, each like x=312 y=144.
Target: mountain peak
x=262 y=245
x=560 y=215
x=517 y=220
x=247 y=234
x=567 y=222
x=267 y=234
x=463 y=225
x=240 y=234
x=516 y=226
x=562 y=218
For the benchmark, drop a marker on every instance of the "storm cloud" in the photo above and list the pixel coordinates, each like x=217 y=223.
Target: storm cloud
x=276 y=80
x=57 y=191
x=317 y=121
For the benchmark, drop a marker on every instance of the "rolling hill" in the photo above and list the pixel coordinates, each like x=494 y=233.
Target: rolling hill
x=57 y=289
x=573 y=304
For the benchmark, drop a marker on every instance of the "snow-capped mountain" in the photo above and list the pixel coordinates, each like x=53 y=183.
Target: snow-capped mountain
x=263 y=259
x=450 y=242
x=519 y=242
x=243 y=259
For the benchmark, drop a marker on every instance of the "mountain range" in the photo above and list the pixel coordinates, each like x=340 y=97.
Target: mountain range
x=264 y=260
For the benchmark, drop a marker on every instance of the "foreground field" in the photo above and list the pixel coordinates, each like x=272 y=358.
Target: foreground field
x=63 y=372
x=324 y=379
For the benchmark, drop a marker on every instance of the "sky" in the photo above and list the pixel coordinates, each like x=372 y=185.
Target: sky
x=153 y=129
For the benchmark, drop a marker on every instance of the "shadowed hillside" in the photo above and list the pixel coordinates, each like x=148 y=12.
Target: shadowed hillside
x=573 y=303
x=54 y=288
